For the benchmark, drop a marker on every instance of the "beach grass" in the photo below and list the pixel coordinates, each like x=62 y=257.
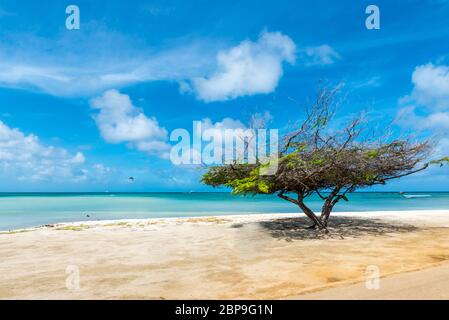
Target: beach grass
x=204 y=220
x=80 y=227
x=15 y=231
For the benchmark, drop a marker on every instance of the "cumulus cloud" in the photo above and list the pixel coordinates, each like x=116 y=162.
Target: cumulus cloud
x=233 y=134
x=409 y=118
x=25 y=158
x=208 y=131
x=260 y=120
x=257 y=121
x=431 y=86
x=427 y=107
x=228 y=138
x=104 y=59
x=221 y=126
x=119 y=121
x=247 y=69
x=320 y=55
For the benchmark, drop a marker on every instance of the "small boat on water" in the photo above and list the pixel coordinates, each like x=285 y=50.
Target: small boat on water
x=414 y=196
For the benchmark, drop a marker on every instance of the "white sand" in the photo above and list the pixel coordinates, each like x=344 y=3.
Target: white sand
x=428 y=284
x=225 y=257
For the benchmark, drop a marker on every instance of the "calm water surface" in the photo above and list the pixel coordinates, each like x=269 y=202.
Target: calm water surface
x=19 y=210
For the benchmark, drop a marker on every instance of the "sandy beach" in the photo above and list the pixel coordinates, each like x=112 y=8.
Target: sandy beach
x=427 y=284
x=230 y=257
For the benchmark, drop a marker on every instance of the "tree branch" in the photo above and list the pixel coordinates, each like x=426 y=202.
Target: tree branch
x=283 y=196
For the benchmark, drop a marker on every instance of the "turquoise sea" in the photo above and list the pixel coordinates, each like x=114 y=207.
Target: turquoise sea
x=20 y=210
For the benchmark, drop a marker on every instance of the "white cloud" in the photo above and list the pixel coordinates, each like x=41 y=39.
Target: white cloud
x=219 y=128
x=427 y=107
x=260 y=120
x=101 y=168
x=88 y=78
x=426 y=110
x=233 y=135
x=408 y=118
x=119 y=121
x=226 y=137
x=438 y=120
x=226 y=123
x=24 y=157
x=431 y=86
x=372 y=82
x=95 y=59
x=102 y=173
x=247 y=69
x=320 y=55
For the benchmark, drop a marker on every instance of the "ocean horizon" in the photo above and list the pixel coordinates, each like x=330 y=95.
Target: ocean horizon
x=32 y=209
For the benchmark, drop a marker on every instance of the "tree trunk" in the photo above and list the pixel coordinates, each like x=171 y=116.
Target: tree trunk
x=328 y=205
x=311 y=215
x=325 y=214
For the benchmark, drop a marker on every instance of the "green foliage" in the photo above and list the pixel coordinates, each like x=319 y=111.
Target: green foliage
x=373 y=154
x=321 y=122
x=252 y=184
x=290 y=160
x=315 y=159
x=218 y=176
x=368 y=178
x=298 y=146
x=318 y=162
x=441 y=161
x=212 y=179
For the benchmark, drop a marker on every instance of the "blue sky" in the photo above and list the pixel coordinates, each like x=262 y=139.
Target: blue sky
x=82 y=110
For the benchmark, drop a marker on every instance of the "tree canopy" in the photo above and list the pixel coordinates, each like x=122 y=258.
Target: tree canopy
x=320 y=158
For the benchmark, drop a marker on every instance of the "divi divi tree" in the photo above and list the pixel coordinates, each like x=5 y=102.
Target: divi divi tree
x=323 y=157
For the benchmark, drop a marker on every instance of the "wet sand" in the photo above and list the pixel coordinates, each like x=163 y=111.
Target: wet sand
x=236 y=257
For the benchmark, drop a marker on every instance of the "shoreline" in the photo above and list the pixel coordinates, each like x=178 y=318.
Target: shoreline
x=255 y=256
x=393 y=215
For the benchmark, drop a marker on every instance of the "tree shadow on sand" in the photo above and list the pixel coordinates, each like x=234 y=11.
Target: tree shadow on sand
x=339 y=228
